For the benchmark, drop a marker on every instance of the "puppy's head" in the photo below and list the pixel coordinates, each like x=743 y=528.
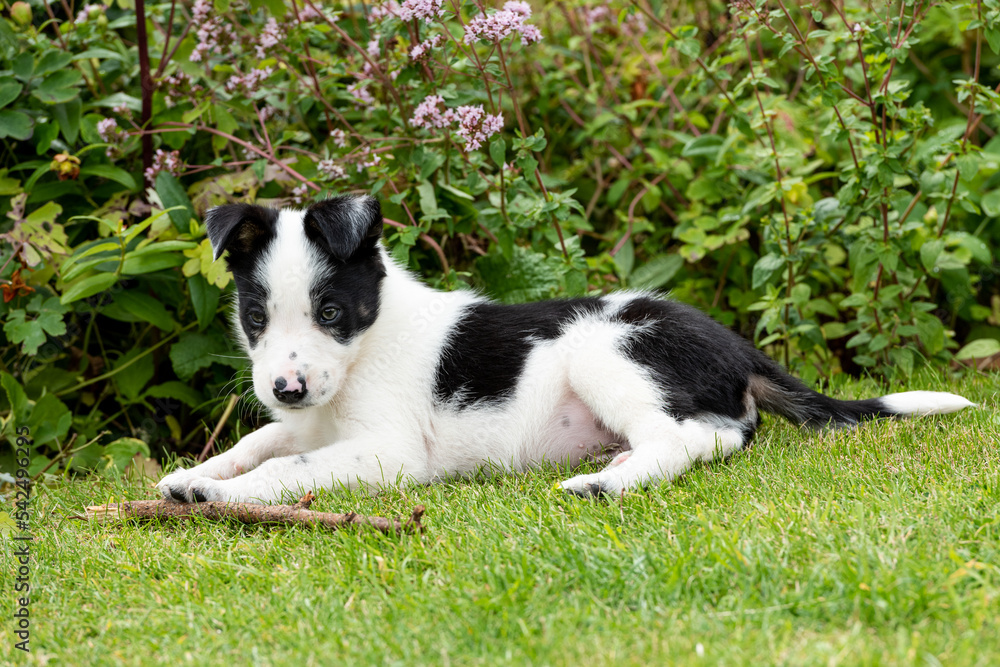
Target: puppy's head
x=307 y=288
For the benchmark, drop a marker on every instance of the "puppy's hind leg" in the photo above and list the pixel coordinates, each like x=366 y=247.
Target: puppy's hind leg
x=622 y=396
x=671 y=454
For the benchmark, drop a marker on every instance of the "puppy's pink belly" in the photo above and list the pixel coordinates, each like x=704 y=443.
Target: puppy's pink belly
x=573 y=433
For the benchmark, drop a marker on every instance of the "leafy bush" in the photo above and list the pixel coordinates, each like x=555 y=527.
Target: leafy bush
x=825 y=179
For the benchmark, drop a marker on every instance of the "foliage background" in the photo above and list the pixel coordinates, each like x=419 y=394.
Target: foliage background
x=822 y=177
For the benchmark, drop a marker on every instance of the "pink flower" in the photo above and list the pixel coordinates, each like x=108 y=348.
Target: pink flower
x=249 y=82
x=429 y=114
x=379 y=13
x=213 y=33
x=299 y=193
x=108 y=129
x=330 y=170
x=424 y=48
x=522 y=8
x=594 y=15
x=270 y=37
x=164 y=161
x=421 y=9
x=476 y=126
x=635 y=25
x=368 y=159
x=361 y=95
x=502 y=24
x=86 y=12
x=339 y=138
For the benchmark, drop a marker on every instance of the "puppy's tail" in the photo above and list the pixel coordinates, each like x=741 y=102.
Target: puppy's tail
x=773 y=390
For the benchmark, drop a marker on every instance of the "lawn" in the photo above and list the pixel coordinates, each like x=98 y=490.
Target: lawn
x=872 y=546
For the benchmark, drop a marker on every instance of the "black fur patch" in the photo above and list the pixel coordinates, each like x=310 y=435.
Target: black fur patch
x=345 y=227
x=245 y=230
x=701 y=366
x=346 y=230
x=483 y=358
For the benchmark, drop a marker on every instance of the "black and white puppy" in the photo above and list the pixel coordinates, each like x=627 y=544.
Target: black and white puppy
x=372 y=377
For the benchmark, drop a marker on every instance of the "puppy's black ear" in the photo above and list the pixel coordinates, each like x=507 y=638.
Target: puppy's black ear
x=346 y=227
x=242 y=229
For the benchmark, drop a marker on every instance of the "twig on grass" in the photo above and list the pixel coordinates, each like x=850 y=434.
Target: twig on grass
x=297 y=514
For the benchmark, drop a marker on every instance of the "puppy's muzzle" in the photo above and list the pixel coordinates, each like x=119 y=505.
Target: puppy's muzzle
x=292 y=392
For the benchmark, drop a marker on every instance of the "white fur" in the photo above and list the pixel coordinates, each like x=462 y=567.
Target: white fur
x=925 y=403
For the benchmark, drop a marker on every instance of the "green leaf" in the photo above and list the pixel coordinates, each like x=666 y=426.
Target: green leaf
x=194 y=351
x=526 y=276
x=146 y=308
x=929 y=253
x=657 y=272
x=15 y=125
x=706 y=145
x=118 y=454
x=50 y=420
x=498 y=151
x=979 y=349
x=204 y=298
x=132 y=379
x=16 y=397
x=178 y=391
x=88 y=286
x=931 y=332
x=991 y=203
x=68 y=117
x=9 y=91
x=765 y=268
x=29 y=333
x=53 y=61
x=172 y=194
x=112 y=173
x=148 y=263
x=58 y=87
x=102 y=54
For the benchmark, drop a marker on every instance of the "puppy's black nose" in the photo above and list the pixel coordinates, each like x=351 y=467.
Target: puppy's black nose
x=290 y=395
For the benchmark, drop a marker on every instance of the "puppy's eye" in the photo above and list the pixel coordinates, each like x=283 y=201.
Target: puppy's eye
x=257 y=317
x=329 y=315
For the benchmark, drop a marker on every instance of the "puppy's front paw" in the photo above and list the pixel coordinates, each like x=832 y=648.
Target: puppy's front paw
x=176 y=485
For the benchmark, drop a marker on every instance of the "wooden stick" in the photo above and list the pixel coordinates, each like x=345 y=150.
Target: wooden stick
x=297 y=514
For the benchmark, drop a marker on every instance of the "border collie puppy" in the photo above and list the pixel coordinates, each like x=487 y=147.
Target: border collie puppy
x=371 y=376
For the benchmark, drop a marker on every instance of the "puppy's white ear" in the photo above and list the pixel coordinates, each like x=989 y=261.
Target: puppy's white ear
x=346 y=227
x=242 y=229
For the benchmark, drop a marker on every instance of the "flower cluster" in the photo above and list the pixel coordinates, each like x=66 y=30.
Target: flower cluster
x=339 y=138
x=424 y=48
x=502 y=24
x=362 y=97
x=420 y=9
x=164 y=161
x=213 y=33
x=113 y=135
x=430 y=113
x=270 y=37
x=475 y=126
x=178 y=86
x=367 y=159
x=250 y=81
x=299 y=193
x=379 y=13
x=87 y=13
x=330 y=170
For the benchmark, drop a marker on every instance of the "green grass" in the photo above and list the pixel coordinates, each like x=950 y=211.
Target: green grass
x=873 y=546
